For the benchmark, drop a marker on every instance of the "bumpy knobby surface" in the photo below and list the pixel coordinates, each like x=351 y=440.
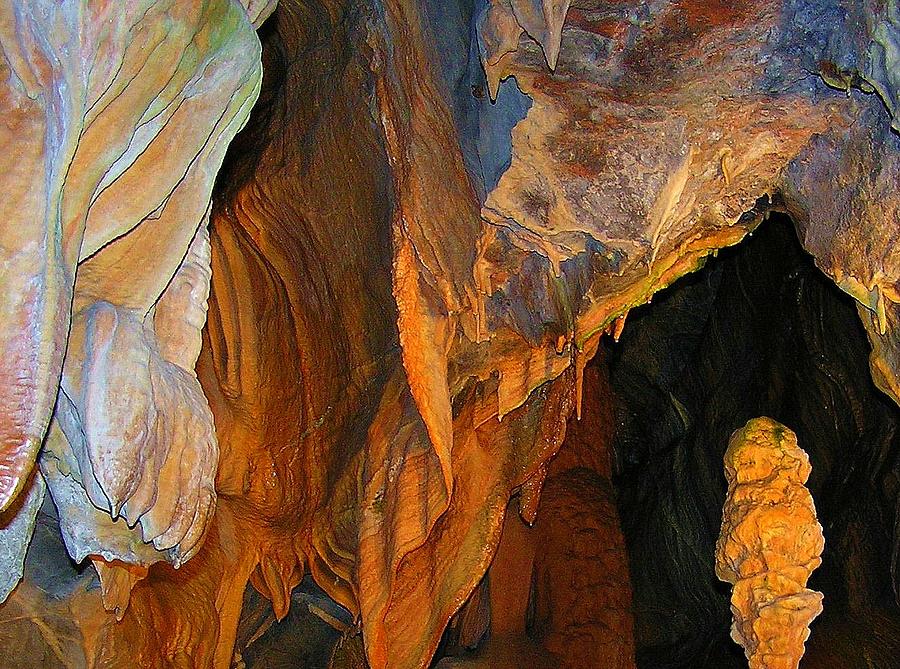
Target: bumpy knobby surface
x=769 y=545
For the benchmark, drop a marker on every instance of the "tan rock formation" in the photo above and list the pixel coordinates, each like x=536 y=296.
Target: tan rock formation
x=120 y=117
x=558 y=593
x=769 y=544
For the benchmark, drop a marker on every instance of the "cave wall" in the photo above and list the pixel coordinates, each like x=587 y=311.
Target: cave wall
x=557 y=592
x=759 y=331
x=405 y=279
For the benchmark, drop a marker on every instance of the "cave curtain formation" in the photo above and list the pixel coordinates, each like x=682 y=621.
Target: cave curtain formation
x=345 y=358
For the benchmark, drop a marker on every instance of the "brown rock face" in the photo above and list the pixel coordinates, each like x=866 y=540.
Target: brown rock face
x=557 y=593
x=770 y=543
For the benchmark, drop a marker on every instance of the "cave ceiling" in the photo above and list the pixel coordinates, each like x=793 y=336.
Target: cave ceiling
x=311 y=290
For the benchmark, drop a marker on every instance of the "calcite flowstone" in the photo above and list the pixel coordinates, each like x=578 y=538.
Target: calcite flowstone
x=769 y=544
x=116 y=120
x=558 y=591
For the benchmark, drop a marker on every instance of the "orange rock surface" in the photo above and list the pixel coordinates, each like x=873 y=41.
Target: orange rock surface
x=557 y=593
x=769 y=544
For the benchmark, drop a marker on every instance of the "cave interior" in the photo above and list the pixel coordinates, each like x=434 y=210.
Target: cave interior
x=339 y=374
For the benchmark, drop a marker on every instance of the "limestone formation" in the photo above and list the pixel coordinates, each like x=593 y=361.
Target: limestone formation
x=348 y=360
x=557 y=592
x=117 y=121
x=769 y=545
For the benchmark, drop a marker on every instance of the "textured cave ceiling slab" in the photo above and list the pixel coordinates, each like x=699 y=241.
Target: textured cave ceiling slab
x=646 y=138
x=843 y=192
x=662 y=125
x=117 y=123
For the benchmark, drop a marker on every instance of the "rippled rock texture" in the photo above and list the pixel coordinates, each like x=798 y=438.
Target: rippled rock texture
x=557 y=593
x=348 y=360
x=117 y=121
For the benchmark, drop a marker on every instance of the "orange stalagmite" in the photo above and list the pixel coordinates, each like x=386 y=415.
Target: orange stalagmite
x=769 y=544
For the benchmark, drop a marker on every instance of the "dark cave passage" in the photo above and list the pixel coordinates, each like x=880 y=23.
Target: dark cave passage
x=759 y=331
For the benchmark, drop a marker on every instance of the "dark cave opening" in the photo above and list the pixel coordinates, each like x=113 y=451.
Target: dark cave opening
x=759 y=331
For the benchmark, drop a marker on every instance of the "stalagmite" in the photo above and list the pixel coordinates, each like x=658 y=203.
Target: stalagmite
x=769 y=544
